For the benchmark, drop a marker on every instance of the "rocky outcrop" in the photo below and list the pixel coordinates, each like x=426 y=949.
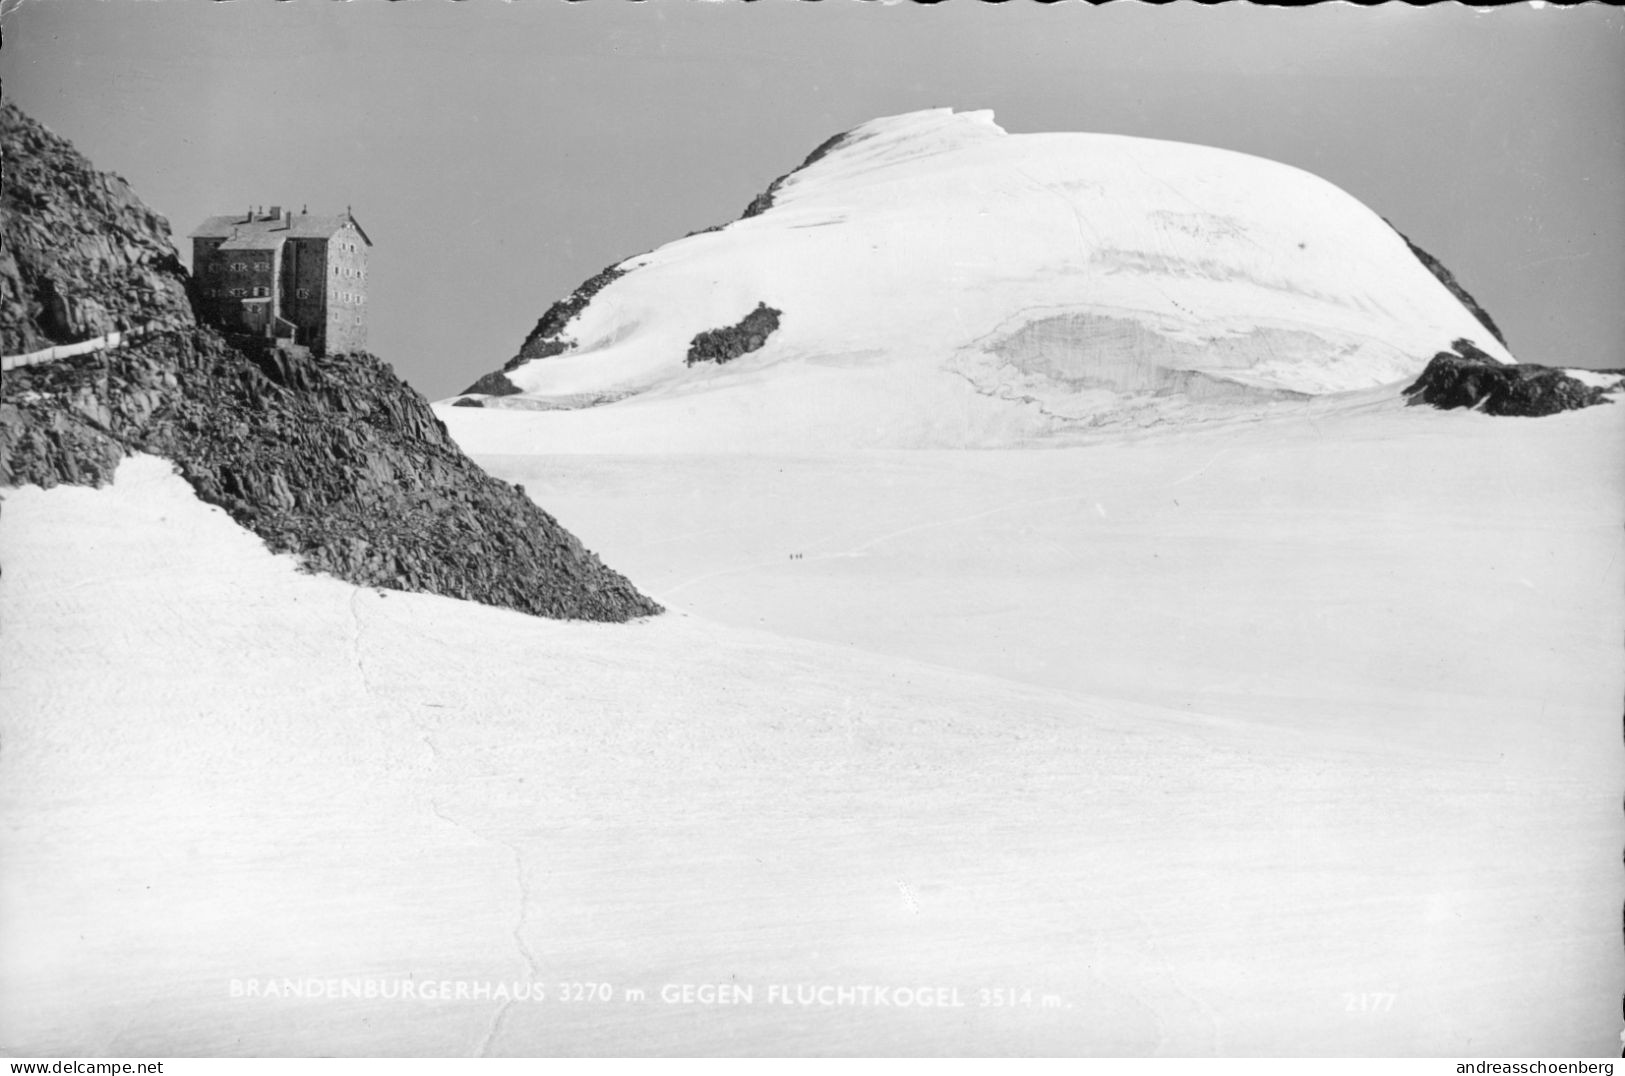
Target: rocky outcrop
x=1448 y=279
x=495 y=383
x=726 y=344
x=333 y=459
x=764 y=201
x=547 y=338
x=1467 y=377
x=81 y=256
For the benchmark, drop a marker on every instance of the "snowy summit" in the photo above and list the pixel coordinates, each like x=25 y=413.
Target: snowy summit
x=940 y=282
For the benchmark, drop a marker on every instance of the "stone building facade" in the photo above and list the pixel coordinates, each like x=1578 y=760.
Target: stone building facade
x=292 y=279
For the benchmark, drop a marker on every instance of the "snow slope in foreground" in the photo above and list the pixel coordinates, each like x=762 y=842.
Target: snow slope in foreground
x=943 y=283
x=216 y=768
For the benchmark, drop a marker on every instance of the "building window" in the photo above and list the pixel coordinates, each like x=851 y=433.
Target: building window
x=237 y=292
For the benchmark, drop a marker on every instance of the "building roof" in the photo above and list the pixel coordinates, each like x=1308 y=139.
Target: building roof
x=298 y=226
x=252 y=241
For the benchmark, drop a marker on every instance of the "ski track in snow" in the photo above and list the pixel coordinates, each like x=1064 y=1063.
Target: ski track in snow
x=521 y=916
x=521 y=887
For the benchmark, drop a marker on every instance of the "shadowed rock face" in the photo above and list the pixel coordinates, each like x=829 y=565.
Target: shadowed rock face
x=333 y=459
x=61 y=282
x=1466 y=377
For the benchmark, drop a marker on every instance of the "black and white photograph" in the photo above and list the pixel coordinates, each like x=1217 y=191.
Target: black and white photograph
x=811 y=528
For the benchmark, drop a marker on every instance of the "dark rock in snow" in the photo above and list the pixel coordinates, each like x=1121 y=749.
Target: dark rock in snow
x=1467 y=377
x=333 y=459
x=726 y=344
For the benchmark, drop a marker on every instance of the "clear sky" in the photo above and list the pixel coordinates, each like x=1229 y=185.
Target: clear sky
x=498 y=154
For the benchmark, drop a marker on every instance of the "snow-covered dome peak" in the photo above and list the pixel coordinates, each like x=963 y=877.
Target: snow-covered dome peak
x=930 y=279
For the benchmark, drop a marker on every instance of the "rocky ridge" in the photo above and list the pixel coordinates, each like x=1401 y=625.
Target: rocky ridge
x=547 y=338
x=82 y=256
x=334 y=459
x=1448 y=279
x=1468 y=378
x=764 y=201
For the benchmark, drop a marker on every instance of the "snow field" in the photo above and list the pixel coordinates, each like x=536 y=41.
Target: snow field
x=1322 y=760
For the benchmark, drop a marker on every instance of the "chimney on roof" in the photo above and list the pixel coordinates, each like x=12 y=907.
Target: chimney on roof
x=276 y=211
x=287 y=218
